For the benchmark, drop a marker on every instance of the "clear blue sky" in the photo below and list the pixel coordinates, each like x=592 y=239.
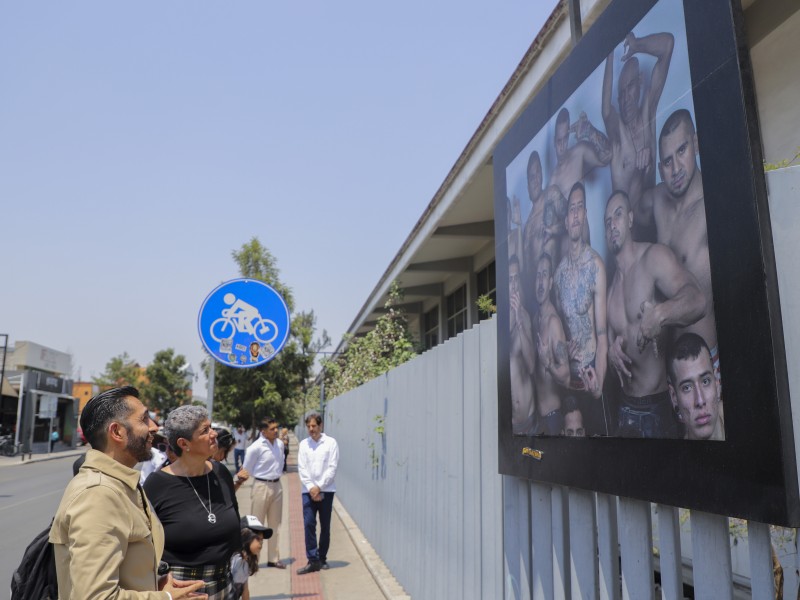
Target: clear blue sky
x=142 y=142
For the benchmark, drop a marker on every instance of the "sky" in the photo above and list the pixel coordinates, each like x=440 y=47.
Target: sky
x=142 y=142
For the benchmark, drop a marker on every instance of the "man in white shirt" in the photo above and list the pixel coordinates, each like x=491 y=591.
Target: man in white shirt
x=264 y=461
x=240 y=445
x=317 y=459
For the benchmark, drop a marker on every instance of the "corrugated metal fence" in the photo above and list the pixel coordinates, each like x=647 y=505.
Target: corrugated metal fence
x=418 y=473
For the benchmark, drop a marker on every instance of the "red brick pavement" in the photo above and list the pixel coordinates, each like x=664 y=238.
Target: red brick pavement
x=303 y=586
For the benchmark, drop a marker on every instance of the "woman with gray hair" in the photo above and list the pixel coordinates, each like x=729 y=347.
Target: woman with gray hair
x=194 y=500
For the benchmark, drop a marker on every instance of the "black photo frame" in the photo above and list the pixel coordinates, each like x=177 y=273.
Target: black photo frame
x=752 y=473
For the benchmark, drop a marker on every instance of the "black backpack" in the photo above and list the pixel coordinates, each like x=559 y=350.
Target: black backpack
x=35 y=577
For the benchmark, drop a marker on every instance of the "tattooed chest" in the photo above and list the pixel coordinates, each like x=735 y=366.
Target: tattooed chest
x=576 y=291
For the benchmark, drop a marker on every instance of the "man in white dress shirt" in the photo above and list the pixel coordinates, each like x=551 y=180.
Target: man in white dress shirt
x=317 y=459
x=264 y=461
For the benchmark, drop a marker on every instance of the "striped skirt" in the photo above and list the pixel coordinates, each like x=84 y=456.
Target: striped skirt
x=219 y=583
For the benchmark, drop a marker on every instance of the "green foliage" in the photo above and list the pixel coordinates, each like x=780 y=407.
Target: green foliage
x=486 y=306
x=166 y=385
x=786 y=162
x=388 y=345
x=277 y=388
x=120 y=370
x=380 y=427
x=257 y=262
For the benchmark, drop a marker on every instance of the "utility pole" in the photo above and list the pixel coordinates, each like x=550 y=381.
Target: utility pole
x=3 y=367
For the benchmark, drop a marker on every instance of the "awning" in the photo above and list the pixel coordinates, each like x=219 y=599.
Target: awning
x=8 y=390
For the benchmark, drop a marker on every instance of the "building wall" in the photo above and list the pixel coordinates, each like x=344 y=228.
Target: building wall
x=83 y=391
x=777 y=74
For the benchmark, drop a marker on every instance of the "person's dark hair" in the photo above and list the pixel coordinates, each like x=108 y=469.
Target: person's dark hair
x=101 y=410
x=671 y=124
x=314 y=416
x=248 y=535
x=578 y=186
x=622 y=194
x=687 y=347
x=570 y=404
x=549 y=259
x=224 y=439
x=533 y=158
x=265 y=423
x=563 y=117
x=182 y=422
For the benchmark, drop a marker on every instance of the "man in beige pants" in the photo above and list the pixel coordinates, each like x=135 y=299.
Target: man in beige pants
x=264 y=461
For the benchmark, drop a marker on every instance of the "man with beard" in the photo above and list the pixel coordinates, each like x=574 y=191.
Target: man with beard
x=107 y=540
x=680 y=215
x=573 y=163
x=632 y=130
x=580 y=281
x=544 y=228
x=522 y=356
x=694 y=390
x=552 y=366
x=650 y=292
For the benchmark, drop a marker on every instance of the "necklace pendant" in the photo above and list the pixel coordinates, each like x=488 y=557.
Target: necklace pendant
x=212 y=518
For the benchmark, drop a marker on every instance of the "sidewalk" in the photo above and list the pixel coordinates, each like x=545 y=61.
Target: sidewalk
x=356 y=570
x=62 y=452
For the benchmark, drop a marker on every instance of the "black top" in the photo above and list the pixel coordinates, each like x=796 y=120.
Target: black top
x=190 y=540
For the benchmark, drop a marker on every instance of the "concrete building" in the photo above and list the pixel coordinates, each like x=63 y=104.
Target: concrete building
x=41 y=377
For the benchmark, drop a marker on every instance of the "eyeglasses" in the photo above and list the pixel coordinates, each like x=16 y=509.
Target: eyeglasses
x=162 y=446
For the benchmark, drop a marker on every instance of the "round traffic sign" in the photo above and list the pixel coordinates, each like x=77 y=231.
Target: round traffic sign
x=243 y=323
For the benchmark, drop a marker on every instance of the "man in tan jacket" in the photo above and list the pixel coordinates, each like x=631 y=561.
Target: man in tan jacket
x=107 y=540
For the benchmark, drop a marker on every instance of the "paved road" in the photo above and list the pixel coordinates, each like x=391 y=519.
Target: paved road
x=29 y=497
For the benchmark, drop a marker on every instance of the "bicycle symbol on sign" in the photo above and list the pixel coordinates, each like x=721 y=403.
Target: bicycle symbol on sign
x=245 y=318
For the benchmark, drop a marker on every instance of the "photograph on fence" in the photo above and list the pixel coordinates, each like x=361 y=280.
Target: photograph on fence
x=613 y=235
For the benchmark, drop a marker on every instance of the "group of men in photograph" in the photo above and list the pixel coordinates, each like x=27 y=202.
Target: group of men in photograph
x=627 y=345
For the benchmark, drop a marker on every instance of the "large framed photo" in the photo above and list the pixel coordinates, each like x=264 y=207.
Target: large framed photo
x=640 y=347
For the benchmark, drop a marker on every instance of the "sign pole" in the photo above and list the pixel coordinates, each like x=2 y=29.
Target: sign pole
x=210 y=400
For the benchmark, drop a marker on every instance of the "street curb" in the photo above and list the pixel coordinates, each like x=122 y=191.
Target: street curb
x=389 y=586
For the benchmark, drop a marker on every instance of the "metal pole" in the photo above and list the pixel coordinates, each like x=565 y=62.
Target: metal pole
x=20 y=396
x=3 y=367
x=322 y=398
x=575 y=26
x=211 y=377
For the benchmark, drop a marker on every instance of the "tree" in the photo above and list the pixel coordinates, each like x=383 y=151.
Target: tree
x=120 y=370
x=276 y=388
x=166 y=386
x=388 y=345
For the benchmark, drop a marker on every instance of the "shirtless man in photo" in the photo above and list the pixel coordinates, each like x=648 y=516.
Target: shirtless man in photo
x=544 y=228
x=650 y=293
x=522 y=356
x=552 y=367
x=573 y=163
x=632 y=130
x=580 y=282
x=694 y=390
x=680 y=215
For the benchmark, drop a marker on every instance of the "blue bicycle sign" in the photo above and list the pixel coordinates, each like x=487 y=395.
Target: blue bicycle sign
x=243 y=323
